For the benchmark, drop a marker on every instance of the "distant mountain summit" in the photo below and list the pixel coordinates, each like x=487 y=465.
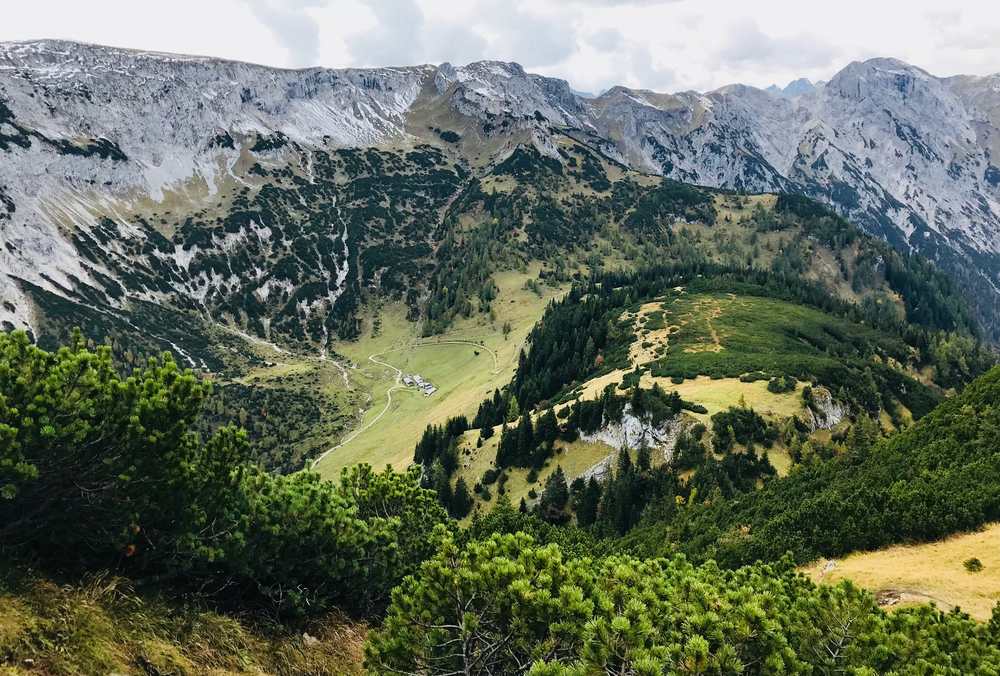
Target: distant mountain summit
x=794 y=88
x=89 y=132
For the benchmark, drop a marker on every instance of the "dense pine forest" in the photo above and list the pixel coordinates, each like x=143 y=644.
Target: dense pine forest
x=102 y=471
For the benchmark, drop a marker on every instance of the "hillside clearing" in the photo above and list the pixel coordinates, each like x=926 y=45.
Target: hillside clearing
x=466 y=364
x=933 y=572
x=574 y=457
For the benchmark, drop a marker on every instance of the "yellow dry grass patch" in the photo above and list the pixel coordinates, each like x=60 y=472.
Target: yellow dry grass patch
x=472 y=461
x=648 y=341
x=824 y=267
x=931 y=572
x=719 y=395
x=714 y=394
x=739 y=207
x=780 y=459
x=519 y=306
x=592 y=388
x=278 y=370
x=500 y=184
x=575 y=458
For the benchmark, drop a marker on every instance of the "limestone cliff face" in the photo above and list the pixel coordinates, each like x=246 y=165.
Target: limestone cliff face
x=88 y=132
x=824 y=412
x=632 y=433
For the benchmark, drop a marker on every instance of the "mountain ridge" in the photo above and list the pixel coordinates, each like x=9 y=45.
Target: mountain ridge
x=906 y=155
x=802 y=82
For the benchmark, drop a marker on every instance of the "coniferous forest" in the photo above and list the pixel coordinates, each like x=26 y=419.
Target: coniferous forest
x=106 y=471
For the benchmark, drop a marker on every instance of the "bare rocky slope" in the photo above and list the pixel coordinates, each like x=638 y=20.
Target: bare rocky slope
x=275 y=199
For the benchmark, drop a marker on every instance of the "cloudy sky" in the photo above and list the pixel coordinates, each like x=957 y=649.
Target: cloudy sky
x=664 y=45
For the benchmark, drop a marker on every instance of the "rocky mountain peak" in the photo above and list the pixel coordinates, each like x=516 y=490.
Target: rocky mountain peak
x=794 y=88
x=879 y=77
x=905 y=154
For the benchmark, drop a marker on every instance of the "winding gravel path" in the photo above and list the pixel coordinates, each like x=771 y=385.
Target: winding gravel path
x=397 y=385
x=388 y=397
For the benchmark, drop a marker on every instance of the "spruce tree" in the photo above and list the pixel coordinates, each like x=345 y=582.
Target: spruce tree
x=525 y=441
x=554 y=497
x=548 y=427
x=644 y=460
x=461 y=500
x=441 y=484
x=513 y=410
x=586 y=503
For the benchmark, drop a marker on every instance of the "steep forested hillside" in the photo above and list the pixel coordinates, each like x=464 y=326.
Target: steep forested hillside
x=682 y=381
x=940 y=476
x=101 y=471
x=769 y=338
x=586 y=218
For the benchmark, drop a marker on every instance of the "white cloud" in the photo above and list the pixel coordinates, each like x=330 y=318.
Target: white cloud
x=396 y=38
x=745 y=44
x=297 y=32
x=606 y=39
x=649 y=74
x=620 y=3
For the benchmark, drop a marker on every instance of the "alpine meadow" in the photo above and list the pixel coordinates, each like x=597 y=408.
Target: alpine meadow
x=457 y=370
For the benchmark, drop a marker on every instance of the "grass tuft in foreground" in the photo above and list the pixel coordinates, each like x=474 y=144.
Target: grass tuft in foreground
x=104 y=625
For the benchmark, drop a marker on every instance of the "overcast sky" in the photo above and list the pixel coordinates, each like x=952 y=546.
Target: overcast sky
x=664 y=45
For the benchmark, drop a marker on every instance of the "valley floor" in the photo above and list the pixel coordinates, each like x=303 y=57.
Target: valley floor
x=465 y=364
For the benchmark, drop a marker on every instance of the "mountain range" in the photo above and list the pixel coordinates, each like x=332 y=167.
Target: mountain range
x=124 y=174
x=632 y=364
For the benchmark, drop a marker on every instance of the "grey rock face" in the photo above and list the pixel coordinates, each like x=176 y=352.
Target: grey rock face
x=907 y=155
x=825 y=412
